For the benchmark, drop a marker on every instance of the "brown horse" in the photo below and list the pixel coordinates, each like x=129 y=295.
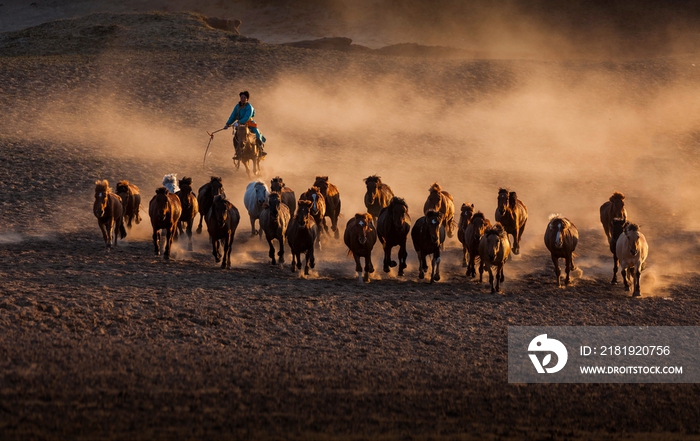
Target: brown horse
x=222 y=221
x=393 y=227
x=317 y=210
x=561 y=238
x=613 y=216
x=428 y=234
x=287 y=194
x=190 y=208
x=618 y=227
x=494 y=250
x=332 y=198
x=205 y=197
x=442 y=201
x=131 y=202
x=109 y=213
x=248 y=150
x=472 y=237
x=465 y=217
x=512 y=215
x=360 y=237
x=302 y=235
x=164 y=210
x=378 y=195
x=274 y=220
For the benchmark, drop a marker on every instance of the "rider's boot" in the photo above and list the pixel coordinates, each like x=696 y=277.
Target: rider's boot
x=263 y=153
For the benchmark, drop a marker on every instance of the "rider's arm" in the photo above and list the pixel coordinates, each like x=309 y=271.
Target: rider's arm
x=233 y=116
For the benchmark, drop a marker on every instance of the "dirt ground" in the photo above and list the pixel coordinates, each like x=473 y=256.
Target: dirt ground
x=120 y=344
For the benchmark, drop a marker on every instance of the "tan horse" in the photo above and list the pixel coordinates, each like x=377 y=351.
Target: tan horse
x=512 y=214
x=248 y=150
x=632 y=250
x=561 y=238
x=494 y=250
x=443 y=202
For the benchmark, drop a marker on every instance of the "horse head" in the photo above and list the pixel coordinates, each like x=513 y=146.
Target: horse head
x=123 y=187
x=102 y=191
x=276 y=184
x=480 y=223
x=617 y=206
x=557 y=226
x=217 y=187
x=273 y=203
x=398 y=210
x=433 y=220
x=434 y=201
x=315 y=194
x=502 y=200
x=303 y=214
x=372 y=183
x=162 y=204
x=495 y=235
x=632 y=233
x=185 y=185
x=467 y=210
x=322 y=184
x=363 y=225
x=220 y=210
x=242 y=134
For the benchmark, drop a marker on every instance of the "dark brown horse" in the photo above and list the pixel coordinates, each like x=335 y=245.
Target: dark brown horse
x=378 y=195
x=613 y=216
x=512 y=215
x=317 y=210
x=131 y=202
x=618 y=227
x=287 y=194
x=442 y=201
x=494 y=250
x=190 y=208
x=561 y=238
x=360 y=237
x=472 y=237
x=274 y=220
x=332 y=198
x=164 y=210
x=302 y=234
x=222 y=221
x=248 y=150
x=109 y=213
x=205 y=198
x=393 y=227
x=465 y=217
x=428 y=234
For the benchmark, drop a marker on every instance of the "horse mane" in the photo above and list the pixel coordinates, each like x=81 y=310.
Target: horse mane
x=162 y=190
x=435 y=187
x=496 y=229
x=170 y=182
x=632 y=227
x=554 y=216
x=321 y=178
x=102 y=186
x=398 y=201
x=278 y=180
x=432 y=213
x=373 y=178
x=478 y=215
x=617 y=195
x=512 y=199
x=186 y=181
x=502 y=190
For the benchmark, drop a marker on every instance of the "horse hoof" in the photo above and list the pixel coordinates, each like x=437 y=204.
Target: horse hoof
x=636 y=294
x=464 y=264
x=400 y=273
x=627 y=288
x=392 y=263
x=421 y=276
x=493 y=290
x=166 y=256
x=437 y=277
x=516 y=252
x=386 y=268
x=336 y=235
x=199 y=231
x=613 y=282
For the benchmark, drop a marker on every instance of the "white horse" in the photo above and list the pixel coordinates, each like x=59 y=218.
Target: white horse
x=632 y=250
x=255 y=196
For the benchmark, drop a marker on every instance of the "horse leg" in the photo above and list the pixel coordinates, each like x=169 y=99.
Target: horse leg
x=109 y=226
x=520 y=237
x=199 y=227
x=103 y=229
x=499 y=277
x=625 y=274
x=615 y=266
x=387 y=258
x=435 y=276
x=306 y=263
x=557 y=270
x=228 y=246
x=369 y=267
x=312 y=259
x=189 y=235
x=481 y=271
x=170 y=232
x=271 y=253
x=358 y=266
x=637 y=275
x=252 y=225
x=488 y=267
x=403 y=255
x=421 y=271
x=215 y=250
x=465 y=263
x=294 y=264
x=280 y=254
x=569 y=267
x=334 y=226
x=156 y=240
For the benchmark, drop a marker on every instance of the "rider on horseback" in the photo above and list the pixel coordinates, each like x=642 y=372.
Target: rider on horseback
x=243 y=113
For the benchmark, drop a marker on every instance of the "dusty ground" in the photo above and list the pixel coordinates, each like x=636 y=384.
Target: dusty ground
x=122 y=345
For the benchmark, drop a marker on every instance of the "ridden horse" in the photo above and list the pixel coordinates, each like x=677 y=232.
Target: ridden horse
x=205 y=197
x=632 y=250
x=465 y=218
x=164 y=210
x=332 y=198
x=561 y=238
x=613 y=209
x=190 y=208
x=428 y=234
x=131 y=202
x=222 y=221
x=274 y=220
x=378 y=195
x=248 y=150
x=109 y=213
x=512 y=215
x=317 y=210
x=287 y=194
x=442 y=201
x=360 y=237
x=302 y=235
x=494 y=250
x=254 y=197
x=472 y=237
x=393 y=227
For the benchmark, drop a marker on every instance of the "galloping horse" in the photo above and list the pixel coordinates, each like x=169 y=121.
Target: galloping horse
x=109 y=213
x=302 y=235
x=332 y=198
x=287 y=194
x=465 y=218
x=205 y=197
x=164 y=210
x=360 y=237
x=561 y=238
x=378 y=195
x=222 y=221
x=254 y=197
x=393 y=227
x=512 y=215
x=248 y=150
x=613 y=216
x=428 y=234
x=632 y=249
x=317 y=210
x=472 y=237
x=494 y=250
x=131 y=202
x=274 y=220
x=190 y=208
x=442 y=201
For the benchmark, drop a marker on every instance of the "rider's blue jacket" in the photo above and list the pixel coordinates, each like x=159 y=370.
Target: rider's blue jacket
x=241 y=114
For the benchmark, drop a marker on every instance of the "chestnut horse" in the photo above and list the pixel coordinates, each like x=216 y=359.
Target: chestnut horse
x=109 y=213
x=164 y=210
x=360 y=237
x=205 y=197
x=442 y=201
x=472 y=237
x=393 y=227
x=317 y=210
x=222 y=221
x=494 y=250
x=378 y=195
x=248 y=150
x=131 y=202
x=190 y=208
x=428 y=234
x=632 y=249
x=287 y=194
x=254 y=197
x=613 y=216
x=302 y=235
x=465 y=217
x=332 y=198
x=512 y=215
x=561 y=238
x=274 y=220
